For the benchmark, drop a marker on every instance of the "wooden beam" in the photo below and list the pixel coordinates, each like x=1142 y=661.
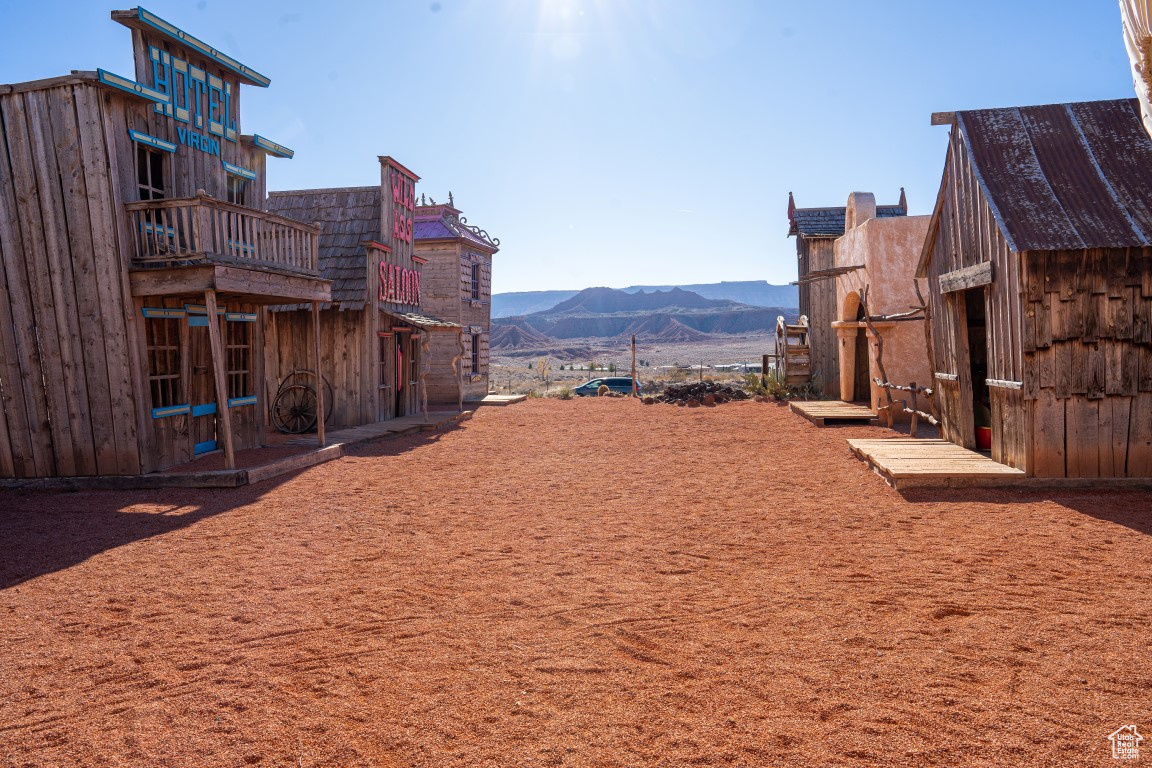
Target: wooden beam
x=968 y=277
x=218 y=368
x=943 y=118
x=319 y=374
x=257 y=286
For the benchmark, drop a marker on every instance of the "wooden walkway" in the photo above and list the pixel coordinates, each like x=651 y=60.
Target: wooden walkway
x=907 y=462
x=495 y=400
x=819 y=412
x=366 y=432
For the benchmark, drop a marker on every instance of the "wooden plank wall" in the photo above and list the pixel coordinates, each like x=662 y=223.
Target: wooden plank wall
x=171 y=439
x=818 y=302
x=288 y=347
x=968 y=235
x=68 y=388
x=1088 y=362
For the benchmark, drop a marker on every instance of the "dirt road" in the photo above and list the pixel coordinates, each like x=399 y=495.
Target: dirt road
x=583 y=583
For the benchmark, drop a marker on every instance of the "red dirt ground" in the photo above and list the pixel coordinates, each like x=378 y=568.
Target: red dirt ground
x=583 y=583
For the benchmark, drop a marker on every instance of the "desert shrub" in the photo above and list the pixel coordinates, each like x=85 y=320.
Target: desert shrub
x=770 y=384
x=565 y=393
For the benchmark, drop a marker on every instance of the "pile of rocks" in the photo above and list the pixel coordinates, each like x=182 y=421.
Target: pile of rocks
x=706 y=393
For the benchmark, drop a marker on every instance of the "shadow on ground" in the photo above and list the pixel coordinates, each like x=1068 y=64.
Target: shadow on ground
x=1130 y=508
x=46 y=531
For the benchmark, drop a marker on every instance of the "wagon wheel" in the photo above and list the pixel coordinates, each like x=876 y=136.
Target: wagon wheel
x=307 y=378
x=294 y=410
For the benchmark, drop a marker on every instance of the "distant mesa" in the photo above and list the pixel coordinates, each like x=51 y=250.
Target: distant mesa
x=756 y=293
x=512 y=336
x=599 y=315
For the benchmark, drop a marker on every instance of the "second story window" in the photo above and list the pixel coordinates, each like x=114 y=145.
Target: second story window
x=150 y=165
x=237 y=189
x=476 y=281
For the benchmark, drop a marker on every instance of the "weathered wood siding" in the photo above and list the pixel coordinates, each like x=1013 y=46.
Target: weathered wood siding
x=1069 y=344
x=1088 y=362
x=68 y=365
x=818 y=302
x=968 y=236
x=288 y=346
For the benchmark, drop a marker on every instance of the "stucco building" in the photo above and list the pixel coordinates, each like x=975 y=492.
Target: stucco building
x=879 y=256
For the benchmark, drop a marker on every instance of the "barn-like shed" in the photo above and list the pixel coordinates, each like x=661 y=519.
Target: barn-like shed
x=1039 y=259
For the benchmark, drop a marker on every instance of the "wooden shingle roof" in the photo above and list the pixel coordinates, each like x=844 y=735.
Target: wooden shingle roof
x=348 y=217
x=829 y=222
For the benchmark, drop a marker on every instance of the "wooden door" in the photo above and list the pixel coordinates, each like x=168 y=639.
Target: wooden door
x=386 y=400
x=202 y=387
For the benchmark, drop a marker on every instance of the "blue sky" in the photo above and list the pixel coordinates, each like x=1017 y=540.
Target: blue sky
x=616 y=142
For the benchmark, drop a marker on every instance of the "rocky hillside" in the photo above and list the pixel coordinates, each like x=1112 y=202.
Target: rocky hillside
x=675 y=315
x=756 y=293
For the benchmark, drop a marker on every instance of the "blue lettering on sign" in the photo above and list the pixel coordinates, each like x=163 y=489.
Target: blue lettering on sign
x=205 y=144
x=187 y=88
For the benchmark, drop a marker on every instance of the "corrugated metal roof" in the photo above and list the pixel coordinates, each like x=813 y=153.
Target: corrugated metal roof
x=829 y=222
x=1065 y=176
x=347 y=217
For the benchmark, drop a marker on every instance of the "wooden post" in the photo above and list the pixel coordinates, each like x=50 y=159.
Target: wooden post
x=915 y=412
x=764 y=370
x=223 y=415
x=634 y=393
x=320 y=405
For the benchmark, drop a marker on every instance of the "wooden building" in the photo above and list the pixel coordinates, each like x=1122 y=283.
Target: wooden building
x=376 y=342
x=1039 y=259
x=816 y=230
x=137 y=259
x=457 y=288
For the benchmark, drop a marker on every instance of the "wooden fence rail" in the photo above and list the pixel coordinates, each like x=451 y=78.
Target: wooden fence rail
x=913 y=409
x=197 y=228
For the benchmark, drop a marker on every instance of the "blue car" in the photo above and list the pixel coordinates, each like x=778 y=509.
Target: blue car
x=621 y=384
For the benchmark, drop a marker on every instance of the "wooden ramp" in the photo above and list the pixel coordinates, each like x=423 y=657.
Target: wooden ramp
x=819 y=412
x=907 y=462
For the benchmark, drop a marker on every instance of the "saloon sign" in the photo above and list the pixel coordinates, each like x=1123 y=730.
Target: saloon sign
x=399 y=286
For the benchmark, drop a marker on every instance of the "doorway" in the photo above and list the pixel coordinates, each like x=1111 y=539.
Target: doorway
x=202 y=387
x=861 y=370
x=977 y=332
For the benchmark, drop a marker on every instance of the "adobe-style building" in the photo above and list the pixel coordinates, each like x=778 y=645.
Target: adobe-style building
x=879 y=255
x=377 y=343
x=458 y=289
x=816 y=230
x=137 y=261
x=1039 y=266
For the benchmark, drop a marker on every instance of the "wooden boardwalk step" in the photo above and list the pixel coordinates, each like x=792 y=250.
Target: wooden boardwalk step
x=821 y=411
x=906 y=462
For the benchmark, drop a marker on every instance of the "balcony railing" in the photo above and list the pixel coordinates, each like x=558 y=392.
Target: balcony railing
x=203 y=229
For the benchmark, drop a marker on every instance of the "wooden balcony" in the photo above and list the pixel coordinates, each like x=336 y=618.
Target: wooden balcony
x=202 y=230
x=197 y=244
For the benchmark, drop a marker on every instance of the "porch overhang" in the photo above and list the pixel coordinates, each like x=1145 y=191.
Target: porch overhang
x=424 y=322
x=257 y=286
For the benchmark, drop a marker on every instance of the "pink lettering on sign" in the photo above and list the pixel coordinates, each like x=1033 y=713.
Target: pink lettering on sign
x=399 y=286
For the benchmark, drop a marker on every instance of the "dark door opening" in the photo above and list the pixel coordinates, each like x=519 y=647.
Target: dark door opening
x=861 y=388
x=978 y=361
